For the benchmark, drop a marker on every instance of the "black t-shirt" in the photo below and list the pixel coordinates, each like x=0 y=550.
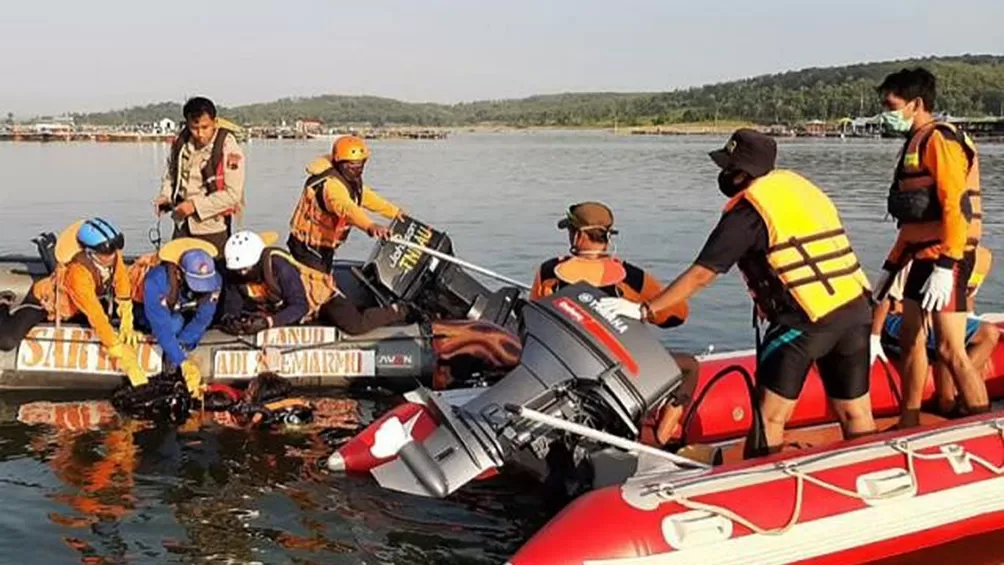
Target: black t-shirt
x=741 y=238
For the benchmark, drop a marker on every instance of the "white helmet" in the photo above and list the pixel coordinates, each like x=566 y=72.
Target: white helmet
x=243 y=250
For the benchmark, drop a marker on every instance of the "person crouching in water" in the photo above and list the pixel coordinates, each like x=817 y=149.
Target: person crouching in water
x=178 y=290
x=89 y=266
x=590 y=228
x=273 y=290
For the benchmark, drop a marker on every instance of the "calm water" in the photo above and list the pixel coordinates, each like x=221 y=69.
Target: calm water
x=213 y=495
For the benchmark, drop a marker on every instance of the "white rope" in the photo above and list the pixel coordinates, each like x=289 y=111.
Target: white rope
x=802 y=477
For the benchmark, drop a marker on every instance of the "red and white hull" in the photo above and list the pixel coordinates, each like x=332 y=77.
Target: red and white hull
x=724 y=413
x=850 y=502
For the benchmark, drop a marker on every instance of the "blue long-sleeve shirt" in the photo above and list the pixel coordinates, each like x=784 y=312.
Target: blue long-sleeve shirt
x=168 y=325
x=293 y=295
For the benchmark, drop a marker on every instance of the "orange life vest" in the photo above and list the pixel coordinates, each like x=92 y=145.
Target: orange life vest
x=51 y=291
x=267 y=294
x=808 y=251
x=913 y=197
x=605 y=273
x=142 y=266
x=312 y=223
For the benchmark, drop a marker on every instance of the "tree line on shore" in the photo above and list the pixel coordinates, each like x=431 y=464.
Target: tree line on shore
x=969 y=85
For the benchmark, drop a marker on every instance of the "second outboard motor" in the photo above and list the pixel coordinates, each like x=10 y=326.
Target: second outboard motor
x=436 y=286
x=576 y=365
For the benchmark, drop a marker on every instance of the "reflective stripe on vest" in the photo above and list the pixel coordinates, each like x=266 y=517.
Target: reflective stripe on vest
x=924 y=238
x=808 y=249
x=312 y=223
x=981 y=268
x=319 y=287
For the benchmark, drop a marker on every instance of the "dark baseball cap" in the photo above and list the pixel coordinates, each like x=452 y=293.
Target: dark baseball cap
x=747 y=150
x=588 y=216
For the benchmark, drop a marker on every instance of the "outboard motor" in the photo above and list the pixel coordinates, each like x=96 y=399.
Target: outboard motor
x=576 y=365
x=435 y=286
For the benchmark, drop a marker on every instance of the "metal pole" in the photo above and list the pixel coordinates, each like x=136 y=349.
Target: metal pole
x=460 y=262
x=604 y=437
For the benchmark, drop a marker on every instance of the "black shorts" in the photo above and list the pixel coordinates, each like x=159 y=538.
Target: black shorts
x=921 y=271
x=840 y=354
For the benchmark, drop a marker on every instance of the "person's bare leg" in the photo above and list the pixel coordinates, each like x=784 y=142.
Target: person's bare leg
x=950 y=334
x=775 y=412
x=855 y=416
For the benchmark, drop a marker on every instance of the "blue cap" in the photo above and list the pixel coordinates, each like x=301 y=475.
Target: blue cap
x=200 y=271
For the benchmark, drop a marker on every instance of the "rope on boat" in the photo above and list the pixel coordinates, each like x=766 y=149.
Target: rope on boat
x=801 y=477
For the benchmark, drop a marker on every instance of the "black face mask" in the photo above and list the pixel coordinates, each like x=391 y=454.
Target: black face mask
x=727 y=183
x=254 y=275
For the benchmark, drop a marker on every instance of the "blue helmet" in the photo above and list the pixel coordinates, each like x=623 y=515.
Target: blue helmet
x=99 y=236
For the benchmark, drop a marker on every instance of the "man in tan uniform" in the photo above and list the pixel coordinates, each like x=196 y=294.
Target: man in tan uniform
x=203 y=184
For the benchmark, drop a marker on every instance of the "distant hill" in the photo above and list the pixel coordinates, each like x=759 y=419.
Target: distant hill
x=970 y=85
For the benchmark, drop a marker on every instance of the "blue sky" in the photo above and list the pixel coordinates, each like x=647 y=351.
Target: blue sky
x=101 y=54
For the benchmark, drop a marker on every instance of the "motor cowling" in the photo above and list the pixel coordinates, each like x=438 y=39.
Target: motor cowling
x=437 y=287
x=577 y=365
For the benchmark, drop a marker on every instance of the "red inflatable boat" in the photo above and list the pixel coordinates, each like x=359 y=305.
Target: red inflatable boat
x=846 y=502
x=724 y=412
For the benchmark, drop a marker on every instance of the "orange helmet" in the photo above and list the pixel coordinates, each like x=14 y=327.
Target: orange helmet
x=349 y=148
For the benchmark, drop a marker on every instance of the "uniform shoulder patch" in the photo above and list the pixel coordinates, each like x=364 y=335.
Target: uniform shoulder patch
x=234 y=161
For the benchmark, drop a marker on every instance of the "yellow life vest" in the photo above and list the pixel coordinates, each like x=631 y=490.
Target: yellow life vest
x=808 y=249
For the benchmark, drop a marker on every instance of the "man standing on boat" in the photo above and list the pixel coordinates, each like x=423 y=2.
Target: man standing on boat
x=935 y=198
x=335 y=199
x=203 y=184
x=787 y=238
x=590 y=227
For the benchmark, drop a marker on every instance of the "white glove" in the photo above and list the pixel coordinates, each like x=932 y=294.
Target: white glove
x=938 y=289
x=611 y=306
x=881 y=286
x=875 y=350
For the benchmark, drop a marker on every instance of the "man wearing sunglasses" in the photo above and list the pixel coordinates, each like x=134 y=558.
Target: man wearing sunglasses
x=89 y=267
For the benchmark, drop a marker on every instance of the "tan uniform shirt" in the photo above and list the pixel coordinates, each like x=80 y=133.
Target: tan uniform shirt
x=209 y=208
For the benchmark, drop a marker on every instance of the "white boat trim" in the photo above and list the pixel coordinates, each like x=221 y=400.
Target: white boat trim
x=653 y=482
x=845 y=531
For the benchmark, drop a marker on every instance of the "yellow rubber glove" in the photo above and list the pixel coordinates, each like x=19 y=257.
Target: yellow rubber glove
x=193 y=377
x=127 y=334
x=128 y=363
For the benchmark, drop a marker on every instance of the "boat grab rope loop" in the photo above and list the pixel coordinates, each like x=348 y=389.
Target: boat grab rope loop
x=801 y=477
